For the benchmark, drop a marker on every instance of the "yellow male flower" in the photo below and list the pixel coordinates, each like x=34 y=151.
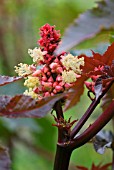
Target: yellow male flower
x=31 y=82
x=36 y=54
x=73 y=63
x=31 y=93
x=23 y=69
x=68 y=76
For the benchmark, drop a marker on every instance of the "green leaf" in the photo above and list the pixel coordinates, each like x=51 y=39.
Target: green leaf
x=88 y=25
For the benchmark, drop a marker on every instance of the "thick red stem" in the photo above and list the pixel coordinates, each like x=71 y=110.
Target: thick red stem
x=91 y=131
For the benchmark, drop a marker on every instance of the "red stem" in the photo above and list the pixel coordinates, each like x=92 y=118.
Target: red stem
x=91 y=131
x=84 y=118
x=62 y=158
x=88 y=113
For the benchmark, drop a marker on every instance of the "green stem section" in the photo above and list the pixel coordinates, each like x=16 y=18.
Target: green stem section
x=62 y=158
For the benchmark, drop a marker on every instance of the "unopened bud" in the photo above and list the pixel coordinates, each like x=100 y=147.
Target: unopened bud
x=50 y=79
x=59 y=88
x=44 y=78
x=46 y=94
x=45 y=69
x=53 y=66
x=59 y=78
x=37 y=73
x=68 y=85
x=59 y=70
x=55 y=84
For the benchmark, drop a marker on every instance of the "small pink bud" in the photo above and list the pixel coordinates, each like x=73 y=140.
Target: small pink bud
x=53 y=66
x=52 y=94
x=67 y=85
x=36 y=90
x=50 y=79
x=55 y=84
x=59 y=88
x=59 y=78
x=37 y=73
x=56 y=60
x=47 y=86
x=45 y=69
x=61 y=83
x=44 y=78
x=32 y=68
x=46 y=94
x=59 y=70
x=54 y=91
x=48 y=73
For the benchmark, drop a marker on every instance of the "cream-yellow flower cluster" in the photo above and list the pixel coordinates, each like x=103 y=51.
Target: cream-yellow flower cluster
x=23 y=69
x=68 y=76
x=72 y=65
x=31 y=82
x=31 y=93
x=36 y=54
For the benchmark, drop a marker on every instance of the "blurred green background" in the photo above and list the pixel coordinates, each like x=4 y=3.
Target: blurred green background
x=32 y=142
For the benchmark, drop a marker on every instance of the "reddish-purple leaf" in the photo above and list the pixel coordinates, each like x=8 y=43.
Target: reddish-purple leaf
x=4 y=159
x=6 y=80
x=78 y=91
x=88 y=25
x=25 y=106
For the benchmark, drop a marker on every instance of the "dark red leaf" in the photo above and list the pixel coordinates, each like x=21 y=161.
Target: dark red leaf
x=25 y=106
x=88 y=25
x=4 y=159
x=6 y=80
x=78 y=91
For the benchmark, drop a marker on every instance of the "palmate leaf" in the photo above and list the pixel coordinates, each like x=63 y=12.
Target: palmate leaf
x=4 y=159
x=25 y=106
x=6 y=80
x=88 y=25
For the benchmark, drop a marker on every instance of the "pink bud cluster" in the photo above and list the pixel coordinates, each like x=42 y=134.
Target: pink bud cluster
x=50 y=77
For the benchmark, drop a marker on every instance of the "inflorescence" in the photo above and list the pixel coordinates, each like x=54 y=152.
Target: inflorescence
x=49 y=74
